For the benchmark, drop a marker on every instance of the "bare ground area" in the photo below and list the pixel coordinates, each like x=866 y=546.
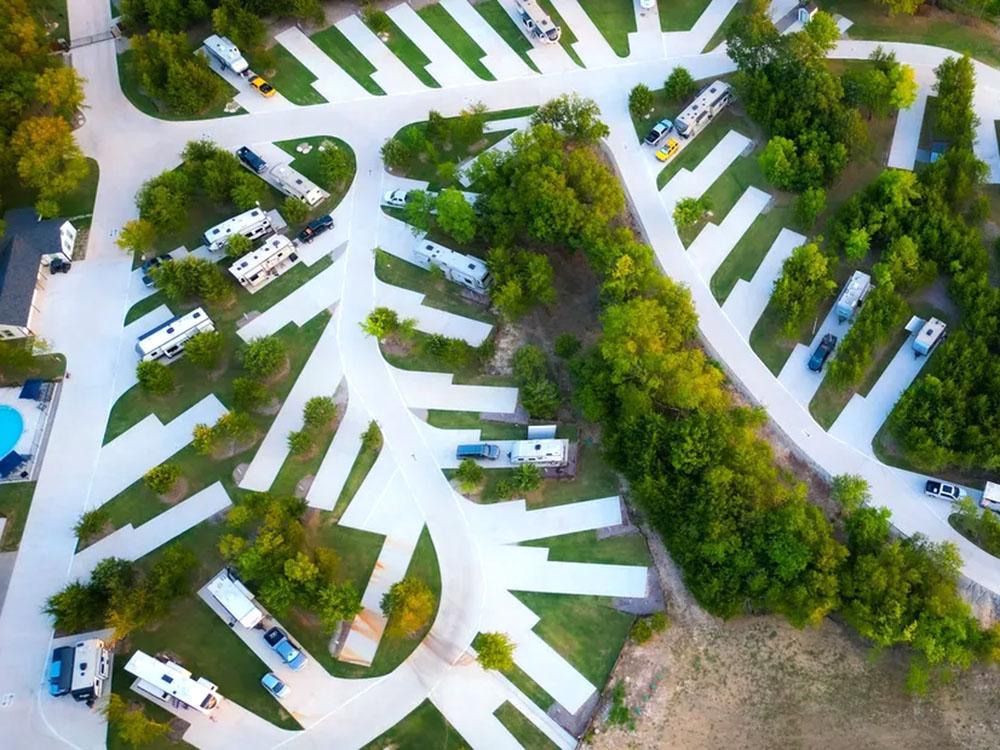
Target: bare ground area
x=757 y=682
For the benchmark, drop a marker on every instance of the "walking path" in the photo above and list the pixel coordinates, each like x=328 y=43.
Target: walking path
x=748 y=299
x=144 y=445
x=445 y=66
x=500 y=59
x=131 y=543
x=332 y=82
x=390 y=72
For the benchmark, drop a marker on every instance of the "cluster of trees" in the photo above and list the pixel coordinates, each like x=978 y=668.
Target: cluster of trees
x=882 y=315
x=452 y=353
x=538 y=392
x=448 y=210
x=786 y=86
x=40 y=97
x=425 y=141
x=689 y=211
x=317 y=414
x=981 y=526
x=165 y=65
x=524 y=478
x=191 y=279
x=122 y=596
x=678 y=86
x=806 y=280
x=131 y=723
x=267 y=545
x=230 y=431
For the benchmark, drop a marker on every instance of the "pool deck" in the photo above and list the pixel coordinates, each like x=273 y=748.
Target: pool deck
x=35 y=418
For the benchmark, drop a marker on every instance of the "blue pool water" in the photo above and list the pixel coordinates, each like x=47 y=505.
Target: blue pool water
x=11 y=427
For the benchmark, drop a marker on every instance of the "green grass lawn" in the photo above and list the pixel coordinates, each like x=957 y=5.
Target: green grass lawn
x=696 y=150
x=309 y=166
x=418 y=358
x=584 y=546
x=15 y=501
x=531 y=689
x=566 y=38
x=359 y=470
x=497 y=17
x=615 y=19
x=719 y=36
x=142 y=101
x=939 y=28
x=530 y=736
x=292 y=79
x=469 y=420
x=594 y=478
x=423 y=728
x=393 y=649
x=438 y=292
x=680 y=15
x=52 y=11
x=587 y=631
x=337 y=47
x=409 y=54
x=456 y=37
x=749 y=252
x=79 y=202
x=296 y=468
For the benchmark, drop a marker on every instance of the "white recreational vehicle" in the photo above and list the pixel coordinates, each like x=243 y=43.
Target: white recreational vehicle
x=252 y=224
x=295 y=185
x=82 y=670
x=713 y=99
x=549 y=452
x=854 y=294
x=167 y=340
x=537 y=21
x=172 y=684
x=466 y=270
x=236 y=599
x=226 y=53
x=260 y=267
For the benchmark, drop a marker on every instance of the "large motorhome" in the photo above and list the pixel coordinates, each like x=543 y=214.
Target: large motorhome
x=710 y=102
x=260 y=267
x=549 y=452
x=236 y=599
x=80 y=670
x=537 y=21
x=167 y=340
x=226 y=53
x=252 y=224
x=293 y=184
x=170 y=683
x=931 y=333
x=466 y=270
x=854 y=294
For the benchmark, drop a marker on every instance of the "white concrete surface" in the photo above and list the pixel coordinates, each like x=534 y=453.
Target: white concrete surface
x=503 y=62
x=646 y=42
x=801 y=382
x=390 y=72
x=320 y=293
x=434 y=390
x=591 y=46
x=409 y=304
x=906 y=136
x=547 y=57
x=131 y=543
x=145 y=445
x=714 y=243
x=339 y=458
x=694 y=182
x=445 y=67
x=246 y=95
x=748 y=299
x=332 y=82
x=697 y=38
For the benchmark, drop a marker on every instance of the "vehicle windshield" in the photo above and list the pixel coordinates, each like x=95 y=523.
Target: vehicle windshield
x=552 y=34
x=681 y=126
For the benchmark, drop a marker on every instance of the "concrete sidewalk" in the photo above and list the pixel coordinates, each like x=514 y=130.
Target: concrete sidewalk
x=748 y=299
x=435 y=390
x=714 y=243
x=695 y=40
x=339 y=458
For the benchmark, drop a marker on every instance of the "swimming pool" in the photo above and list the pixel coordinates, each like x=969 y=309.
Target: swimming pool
x=11 y=427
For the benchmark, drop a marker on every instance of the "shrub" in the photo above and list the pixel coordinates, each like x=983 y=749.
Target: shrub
x=371 y=438
x=495 y=651
x=376 y=18
x=91 y=523
x=646 y=627
x=566 y=345
x=383 y=321
x=809 y=205
x=161 y=479
x=469 y=475
x=640 y=100
x=300 y=442
x=689 y=211
x=541 y=398
x=131 y=724
x=294 y=209
x=155 y=377
x=409 y=605
x=249 y=394
x=335 y=163
x=238 y=245
x=318 y=412
x=619 y=713
x=505 y=489
x=447 y=172
x=192 y=278
x=205 y=349
x=527 y=477
x=679 y=84
x=395 y=153
x=263 y=356
x=529 y=363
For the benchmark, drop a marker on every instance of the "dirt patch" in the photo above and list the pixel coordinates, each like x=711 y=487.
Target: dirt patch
x=280 y=374
x=178 y=492
x=396 y=346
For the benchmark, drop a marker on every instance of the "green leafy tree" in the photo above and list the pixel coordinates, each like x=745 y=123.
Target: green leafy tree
x=395 y=153
x=779 y=163
x=495 y=651
x=857 y=243
x=417 y=211
x=566 y=345
x=301 y=569
x=850 y=491
x=91 y=523
x=300 y=442
x=447 y=172
x=541 y=398
x=240 y=24
x=689 y=211
x=161 y=479
x=809 y=205
x=409 y=605
x=470 y=123
x=155 y=378
x=318 y=412
x=381 y=322
x=903 y=7
x=192 y=278
x=640 y=100
x=46 y=157
x=679 y=84
x=527 y=477
x=249 y=394
x=264 y=356
x=521 y=280
x=131 y=724
x=371 y=438
x=61 y=88
x=469 y=475
x=75 y=609
x=294 y=209
x=167 y=69
x=455 y=215
x=574 y=116
x=336 y=164
x=375 y=18
x=955 y=87
x=137 y=235
x=336 y=604
x=164 y=200
x=805 y=281
x=205 y=349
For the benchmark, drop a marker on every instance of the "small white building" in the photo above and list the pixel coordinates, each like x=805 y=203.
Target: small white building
x=170 y=683
x=167 y=339
x=260 y=267
x=292 y=183
x=236 y=599
x=551 y=452
x=467 y=270
x=252 y=224
x=227 y=54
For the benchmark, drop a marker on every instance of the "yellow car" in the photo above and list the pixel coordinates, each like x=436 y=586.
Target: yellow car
x=262 y=86
x=667 y=152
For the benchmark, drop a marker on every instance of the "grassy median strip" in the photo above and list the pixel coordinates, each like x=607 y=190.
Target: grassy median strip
x=530 y=736
x=423 y=727
x=502 y=24
x=455 y=37
x=15 y=501
x=680 y=15
x=615 y=19
x=292 y=79
x=566 y=38
x=409 y=54
x=339 y=49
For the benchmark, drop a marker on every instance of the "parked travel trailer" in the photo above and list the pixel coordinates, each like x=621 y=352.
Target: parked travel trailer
x=710 y=102
x=260 y=267
x=167 y=340
x=295 y=185
x=172 y=684
x=931 y=334
x=252 y=224
x=236 y=599
x=853 y=295
x=537 y=21
x=466 y=270
x=80 y=670
x=552 y=452
x=991 y=497
x=226 y=53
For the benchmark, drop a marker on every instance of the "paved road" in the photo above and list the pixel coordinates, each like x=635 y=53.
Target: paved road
x=120 y=139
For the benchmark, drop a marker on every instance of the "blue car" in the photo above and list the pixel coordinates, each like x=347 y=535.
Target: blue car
x=289 y=653
x=275 y=686
x=823 y=352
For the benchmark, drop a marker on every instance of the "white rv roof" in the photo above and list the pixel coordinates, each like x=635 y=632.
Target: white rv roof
x=551 y=448
x=262 y=254
x=855 y=287
x=172 y=679
x=229 y=594
x=174 y=327
x=227 y=51
x=467 y=264
x=238 y=223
